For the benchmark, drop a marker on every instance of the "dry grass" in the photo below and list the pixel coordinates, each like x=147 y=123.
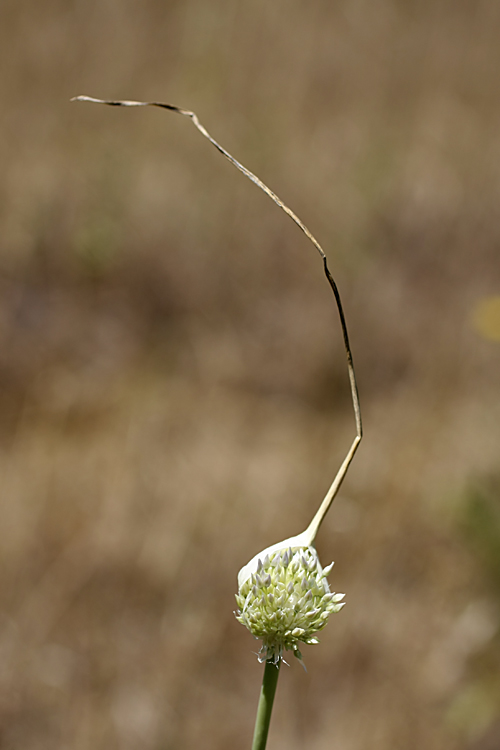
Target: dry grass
x=171 y=403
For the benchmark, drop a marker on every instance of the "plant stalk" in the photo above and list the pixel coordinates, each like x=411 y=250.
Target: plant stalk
x=265 y=707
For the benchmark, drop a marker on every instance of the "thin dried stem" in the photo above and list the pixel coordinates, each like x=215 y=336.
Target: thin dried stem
x=335 y=486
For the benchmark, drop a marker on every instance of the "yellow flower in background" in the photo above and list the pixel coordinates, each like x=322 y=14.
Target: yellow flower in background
x=486 y=318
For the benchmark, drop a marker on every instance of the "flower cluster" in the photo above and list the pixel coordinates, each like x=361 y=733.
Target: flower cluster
x=286 y=600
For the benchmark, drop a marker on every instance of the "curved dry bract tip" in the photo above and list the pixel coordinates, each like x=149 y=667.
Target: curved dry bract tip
x=112 y=102
x=317 y=520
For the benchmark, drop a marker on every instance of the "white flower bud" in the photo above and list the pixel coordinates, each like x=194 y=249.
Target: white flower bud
x=285 y=598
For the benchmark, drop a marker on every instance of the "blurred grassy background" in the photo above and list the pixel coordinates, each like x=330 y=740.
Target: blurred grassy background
x=173 y=391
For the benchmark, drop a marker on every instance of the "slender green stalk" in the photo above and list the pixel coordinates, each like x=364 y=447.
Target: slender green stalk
x=266 y=700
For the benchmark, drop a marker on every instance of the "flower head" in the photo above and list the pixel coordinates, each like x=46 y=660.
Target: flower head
x=286 y=600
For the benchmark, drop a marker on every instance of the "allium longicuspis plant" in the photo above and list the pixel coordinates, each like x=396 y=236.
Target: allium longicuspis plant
x=283 y=594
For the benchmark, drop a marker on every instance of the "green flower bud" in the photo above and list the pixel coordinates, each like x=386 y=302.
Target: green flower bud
x=284 y=599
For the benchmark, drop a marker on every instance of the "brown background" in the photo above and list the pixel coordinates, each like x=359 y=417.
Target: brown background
x=173 y=390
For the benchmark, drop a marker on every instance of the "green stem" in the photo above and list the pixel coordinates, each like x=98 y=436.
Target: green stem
x=266 y=700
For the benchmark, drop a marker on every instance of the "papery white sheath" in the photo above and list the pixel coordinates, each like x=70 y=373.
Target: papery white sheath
x=305 y=540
